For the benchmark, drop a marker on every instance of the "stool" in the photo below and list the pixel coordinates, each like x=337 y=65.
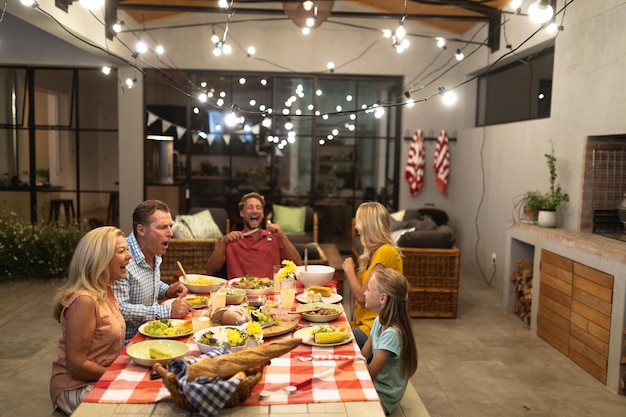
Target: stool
x=68 y=206
x=113 y=210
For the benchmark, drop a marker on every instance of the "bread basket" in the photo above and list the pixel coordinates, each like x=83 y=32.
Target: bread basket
x=246 y=364
x=249 y=379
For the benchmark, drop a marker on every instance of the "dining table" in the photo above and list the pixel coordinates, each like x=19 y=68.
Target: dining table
x=310 y=380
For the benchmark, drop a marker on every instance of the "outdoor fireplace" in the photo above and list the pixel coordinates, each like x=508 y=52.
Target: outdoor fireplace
x=604 y=186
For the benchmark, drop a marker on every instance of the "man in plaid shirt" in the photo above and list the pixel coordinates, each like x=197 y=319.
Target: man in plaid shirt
x=139 y=292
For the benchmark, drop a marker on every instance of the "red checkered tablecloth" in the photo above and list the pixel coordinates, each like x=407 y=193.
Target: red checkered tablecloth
x=343 y=380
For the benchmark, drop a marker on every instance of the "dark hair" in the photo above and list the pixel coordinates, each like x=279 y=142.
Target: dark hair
x=248 y=196
x=395 y=313
x=144 y=210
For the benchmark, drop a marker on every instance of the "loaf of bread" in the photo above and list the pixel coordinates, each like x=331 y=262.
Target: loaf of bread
x=230 y=316
x=228 y=365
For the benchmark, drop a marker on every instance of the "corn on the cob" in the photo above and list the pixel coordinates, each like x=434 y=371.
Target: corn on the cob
x=157 y=353
x=331 y=337
x=324 y=291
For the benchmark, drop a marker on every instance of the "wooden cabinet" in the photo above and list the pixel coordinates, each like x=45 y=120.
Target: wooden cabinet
x=575 y=304
x=172 y=195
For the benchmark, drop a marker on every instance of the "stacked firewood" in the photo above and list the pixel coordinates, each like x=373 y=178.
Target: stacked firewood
x=523 y=278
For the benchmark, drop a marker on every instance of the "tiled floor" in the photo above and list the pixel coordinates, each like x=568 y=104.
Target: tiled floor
x=483 y=364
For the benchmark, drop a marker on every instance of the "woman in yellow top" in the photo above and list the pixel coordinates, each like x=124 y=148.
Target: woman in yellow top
x=373 y=224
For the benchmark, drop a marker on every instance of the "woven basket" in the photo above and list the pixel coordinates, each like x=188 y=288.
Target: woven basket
x=192 y=253
x=433 y=275
x=249 y=379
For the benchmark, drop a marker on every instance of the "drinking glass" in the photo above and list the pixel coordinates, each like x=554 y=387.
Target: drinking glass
x=218 y=300
x=287 y=293
x=200 y=319
x=276 y=269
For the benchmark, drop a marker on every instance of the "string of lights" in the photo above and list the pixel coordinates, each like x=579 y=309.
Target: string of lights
x=191 y=90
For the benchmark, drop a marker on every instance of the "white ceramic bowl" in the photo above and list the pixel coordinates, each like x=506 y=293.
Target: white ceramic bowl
x=315 y=275
x=140 y=352
x=313 y=312
x=233 y=295
x=216 y=284
x=208 y=347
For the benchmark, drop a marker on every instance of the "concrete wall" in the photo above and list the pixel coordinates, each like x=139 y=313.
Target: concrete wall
x=490 y=166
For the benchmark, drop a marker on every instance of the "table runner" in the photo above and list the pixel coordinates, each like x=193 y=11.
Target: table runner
x=315 y=381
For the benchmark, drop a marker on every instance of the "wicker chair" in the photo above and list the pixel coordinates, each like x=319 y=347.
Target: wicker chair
x=310 y=227
x=433 y=275
x=193 y=253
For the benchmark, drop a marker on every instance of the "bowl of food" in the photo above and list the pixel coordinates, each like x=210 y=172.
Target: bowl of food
x=319 y=275
x=202 y=284
x=319 y=312
x=156 y=351
x=233 y=295
x=253 y=285
x=231 y=338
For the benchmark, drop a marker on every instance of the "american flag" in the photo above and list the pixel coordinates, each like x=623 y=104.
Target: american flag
x=442 y=162
x=414 y=173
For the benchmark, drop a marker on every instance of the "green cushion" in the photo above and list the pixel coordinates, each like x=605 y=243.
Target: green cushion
x=196 y=226
x=290 y=219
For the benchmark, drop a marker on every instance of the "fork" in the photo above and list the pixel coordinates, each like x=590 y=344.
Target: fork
x=269 y=234
x=328 y=358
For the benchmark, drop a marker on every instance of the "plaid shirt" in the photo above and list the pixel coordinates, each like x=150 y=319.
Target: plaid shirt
x=139 y=292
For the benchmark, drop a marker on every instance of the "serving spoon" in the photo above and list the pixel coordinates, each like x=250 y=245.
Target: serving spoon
x=182 y=270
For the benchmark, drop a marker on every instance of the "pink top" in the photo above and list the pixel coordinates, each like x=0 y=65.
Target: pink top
x=107 y=343
x=254 y=255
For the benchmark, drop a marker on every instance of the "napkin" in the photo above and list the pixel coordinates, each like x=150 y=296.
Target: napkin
x=208 y=395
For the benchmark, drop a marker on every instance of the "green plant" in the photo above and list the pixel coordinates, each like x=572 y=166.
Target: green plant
x=555 y=197
x=534 y=200
x=35 y=250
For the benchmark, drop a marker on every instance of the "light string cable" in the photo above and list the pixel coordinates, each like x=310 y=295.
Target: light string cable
x=4 y=9
x=488 y=69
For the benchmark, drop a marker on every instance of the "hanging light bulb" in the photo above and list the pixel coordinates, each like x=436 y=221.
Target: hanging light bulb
x=441 y=42
x=160 y=50
x=540 y=11
x=28 y=3
x=306 y=30
x=307 y=5
x=117 y=26
x=141 y=47
x=459 y=55
x=310 y=21
x=106 y=70
x=515 y=4
x=251 y=51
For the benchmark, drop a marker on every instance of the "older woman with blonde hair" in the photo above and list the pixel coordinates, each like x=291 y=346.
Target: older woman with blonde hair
x=91 y=323
x=373 y=224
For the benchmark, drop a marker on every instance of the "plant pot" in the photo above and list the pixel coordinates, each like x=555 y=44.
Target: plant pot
x=530 y=215
x=546 y=218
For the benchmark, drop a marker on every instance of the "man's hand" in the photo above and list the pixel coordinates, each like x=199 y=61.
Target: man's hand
x=177 y=289
x=180 y=308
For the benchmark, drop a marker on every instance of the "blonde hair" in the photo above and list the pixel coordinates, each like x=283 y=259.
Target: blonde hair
x=248 y=196
x=395 y=313
x=373 y=223
x=89 y=267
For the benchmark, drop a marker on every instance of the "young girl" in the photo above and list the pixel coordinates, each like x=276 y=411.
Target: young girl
x=372 y=222
x=390 y=348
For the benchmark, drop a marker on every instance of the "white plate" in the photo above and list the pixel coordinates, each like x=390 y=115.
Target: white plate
x=334 y=298
x=174 y=322
x=305 y=335
x=261 y=291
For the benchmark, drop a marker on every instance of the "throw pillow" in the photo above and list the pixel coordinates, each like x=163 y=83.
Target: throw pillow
x=398 y=233
x=290 y=219
x=398 y=215
x=200 y=225
x=181 y=230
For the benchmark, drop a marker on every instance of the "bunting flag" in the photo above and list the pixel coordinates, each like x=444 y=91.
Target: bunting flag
x=414 y=173
x=442 y=162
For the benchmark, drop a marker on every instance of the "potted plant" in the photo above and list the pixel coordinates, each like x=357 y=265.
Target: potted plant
x=553 y=199
x=531 y=202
